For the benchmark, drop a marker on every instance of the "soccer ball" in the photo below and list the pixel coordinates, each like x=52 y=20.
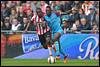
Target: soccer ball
x=51 y=60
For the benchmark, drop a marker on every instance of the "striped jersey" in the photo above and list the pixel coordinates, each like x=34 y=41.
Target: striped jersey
x=39 y=28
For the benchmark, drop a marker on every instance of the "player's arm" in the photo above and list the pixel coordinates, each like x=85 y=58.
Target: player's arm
x=43 y=24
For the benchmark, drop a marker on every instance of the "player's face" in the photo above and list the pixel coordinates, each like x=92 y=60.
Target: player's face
x=39 y=13
x=48 y=11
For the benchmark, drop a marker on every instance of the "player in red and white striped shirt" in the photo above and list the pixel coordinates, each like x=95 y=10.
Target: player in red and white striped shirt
x=38 y=21
x=41 y=28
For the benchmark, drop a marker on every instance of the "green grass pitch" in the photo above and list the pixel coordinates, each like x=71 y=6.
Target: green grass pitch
x=43 y=62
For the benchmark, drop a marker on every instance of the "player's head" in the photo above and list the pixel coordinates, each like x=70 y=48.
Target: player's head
x=48 y=10
x=39 y=12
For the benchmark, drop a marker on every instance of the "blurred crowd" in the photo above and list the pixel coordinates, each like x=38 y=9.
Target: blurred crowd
x=75 y=15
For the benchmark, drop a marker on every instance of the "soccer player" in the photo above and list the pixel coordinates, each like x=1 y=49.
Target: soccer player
x=41 y=28
x=53 y=21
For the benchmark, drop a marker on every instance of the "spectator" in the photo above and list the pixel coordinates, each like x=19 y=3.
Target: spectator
x=18 y=5
x=53 y=4
x=21 y=14
x=84 y=25
x=25 y=23
x=75 y=15
x=7 y=25
x=97 y=17
x=95 y=27
x=2 y=19
x=82 y=13
x=75 y=25
x=15 y=25
x=3 y=1
x=47 y=2
x=7 y=19
x=58 y=10
x=26 y=7
x=34 y=5
x=57 y=3
x=65 y=24
x=23 y=1
x=28 y=2
x=4 y=10
x=29 y=14
x=76 y=4
x=95 y=4
x=2 y=25
x=66 y=6
x=91 y=16
x=85 y=7
x=43 y=6
x=13 y=14
x=11 y=4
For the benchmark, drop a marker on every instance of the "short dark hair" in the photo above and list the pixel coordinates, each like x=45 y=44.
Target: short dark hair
x=48 y=7
x=38 y=9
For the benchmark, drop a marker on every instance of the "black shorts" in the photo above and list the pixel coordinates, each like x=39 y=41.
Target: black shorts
x=42 y=39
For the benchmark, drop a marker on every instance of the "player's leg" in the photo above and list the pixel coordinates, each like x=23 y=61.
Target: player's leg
x=55 y=37
x=48 y=42
x=43 y=40
x=57 y=50
x=49 y=45
x=62 y=52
